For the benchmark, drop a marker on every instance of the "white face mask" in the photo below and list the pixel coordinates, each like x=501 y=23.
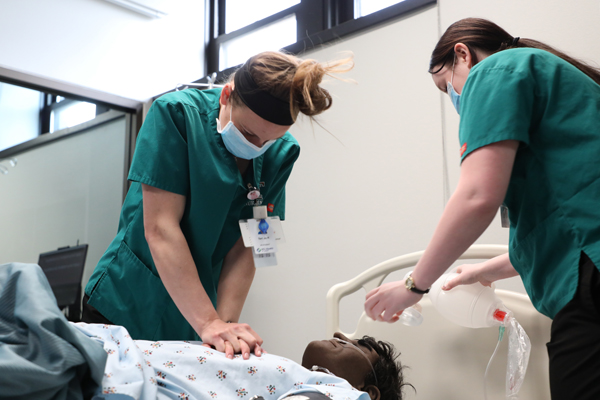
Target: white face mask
x=455 y=97
x=237 y=144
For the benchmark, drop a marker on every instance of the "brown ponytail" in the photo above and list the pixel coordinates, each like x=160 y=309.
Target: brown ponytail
x=292 y=79
x=489 y=38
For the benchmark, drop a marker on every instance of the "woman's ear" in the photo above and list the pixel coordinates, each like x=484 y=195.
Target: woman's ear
x=226 y=93
x=463 y=54
x=372 y=391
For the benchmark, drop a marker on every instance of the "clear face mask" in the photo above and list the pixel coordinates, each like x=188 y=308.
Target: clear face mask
x=237 y=144
x=454 y=97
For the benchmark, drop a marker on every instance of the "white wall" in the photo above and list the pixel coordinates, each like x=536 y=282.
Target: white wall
x=99 y=45
x=380 y=194
x=65 y=191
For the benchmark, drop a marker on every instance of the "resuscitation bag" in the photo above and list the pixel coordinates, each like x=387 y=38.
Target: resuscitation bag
x=477 y=306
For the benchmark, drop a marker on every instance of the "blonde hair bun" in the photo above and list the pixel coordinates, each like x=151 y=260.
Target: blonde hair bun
x=295 y=80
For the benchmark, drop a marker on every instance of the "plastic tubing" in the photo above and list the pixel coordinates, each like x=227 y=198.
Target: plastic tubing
x=487 y=369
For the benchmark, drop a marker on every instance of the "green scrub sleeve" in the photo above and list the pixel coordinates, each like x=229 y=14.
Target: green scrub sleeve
x=276 y=195
x=161 y=152
x=496 y=105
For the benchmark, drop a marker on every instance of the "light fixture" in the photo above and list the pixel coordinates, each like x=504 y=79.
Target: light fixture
x=139 y=8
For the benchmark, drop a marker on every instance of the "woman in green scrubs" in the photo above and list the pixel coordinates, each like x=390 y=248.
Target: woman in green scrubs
x=177 y=268
x=530 y=140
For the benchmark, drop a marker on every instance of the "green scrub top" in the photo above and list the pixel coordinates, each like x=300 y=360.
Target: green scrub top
x=179 y=150
x=553 y=198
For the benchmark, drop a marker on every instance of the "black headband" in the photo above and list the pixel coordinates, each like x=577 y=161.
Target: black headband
x=515 y=41
x=263 y=104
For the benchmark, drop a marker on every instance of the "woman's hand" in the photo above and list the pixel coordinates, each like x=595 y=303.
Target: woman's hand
x=231 y=338
x=470 y=273
x=485 y=272
x=386 y=302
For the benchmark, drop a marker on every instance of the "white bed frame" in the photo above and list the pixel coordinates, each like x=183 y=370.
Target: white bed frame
x=444 y=360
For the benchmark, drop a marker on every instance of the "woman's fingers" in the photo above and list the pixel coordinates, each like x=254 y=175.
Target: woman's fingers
x=229 y=350
x=370 y=305
x=232 y=338
x=452 y=283
x=372 y=293
x=467 y=274
x=245 y=350
x=246 y=333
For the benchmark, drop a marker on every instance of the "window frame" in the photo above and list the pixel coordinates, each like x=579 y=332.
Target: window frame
x=132 y=108
x=318 y=23
x=48 y=101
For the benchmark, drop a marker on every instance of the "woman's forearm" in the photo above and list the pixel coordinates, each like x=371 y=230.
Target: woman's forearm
x=463 y=221
x=500 y=267
x=178 y=273
x=236 y=278
x=485 y=174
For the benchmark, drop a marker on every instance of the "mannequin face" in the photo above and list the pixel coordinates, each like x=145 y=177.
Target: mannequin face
x=341 y=359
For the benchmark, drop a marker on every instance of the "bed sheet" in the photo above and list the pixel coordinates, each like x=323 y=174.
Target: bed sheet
x=43 y=356
x=187 y=370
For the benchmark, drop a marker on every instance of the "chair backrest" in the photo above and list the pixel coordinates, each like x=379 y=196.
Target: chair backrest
x=444 y=360
x=63 y=269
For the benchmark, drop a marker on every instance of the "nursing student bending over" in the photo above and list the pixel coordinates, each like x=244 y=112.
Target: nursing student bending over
x=530 y=140
x=177 y=269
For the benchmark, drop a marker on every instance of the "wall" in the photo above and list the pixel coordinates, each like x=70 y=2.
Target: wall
x=65 y=191
x=379 y=193
x=102 y=46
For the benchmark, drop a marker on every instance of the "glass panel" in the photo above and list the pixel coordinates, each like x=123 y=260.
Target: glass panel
x=71 y=115
x=239 y=13
x=270 y=37
x=366 y=7
x=19 y=115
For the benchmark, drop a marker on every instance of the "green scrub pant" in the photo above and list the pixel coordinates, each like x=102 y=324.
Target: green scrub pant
x=574 y=347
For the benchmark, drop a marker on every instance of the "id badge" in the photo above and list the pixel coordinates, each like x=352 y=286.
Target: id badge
x=504 y=216
x=264 y=259
x=263 y=236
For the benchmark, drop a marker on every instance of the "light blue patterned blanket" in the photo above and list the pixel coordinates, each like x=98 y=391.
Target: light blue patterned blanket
x=43 y=356
x=187 y=370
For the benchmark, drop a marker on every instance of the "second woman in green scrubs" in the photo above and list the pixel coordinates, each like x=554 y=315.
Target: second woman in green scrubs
x=530 y=138
x=177 y=269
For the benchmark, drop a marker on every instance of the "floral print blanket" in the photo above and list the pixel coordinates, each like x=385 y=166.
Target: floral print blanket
x=143 y=369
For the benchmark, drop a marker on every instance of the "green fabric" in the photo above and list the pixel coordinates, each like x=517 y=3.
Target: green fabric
x=553 y=109
x=179 y=150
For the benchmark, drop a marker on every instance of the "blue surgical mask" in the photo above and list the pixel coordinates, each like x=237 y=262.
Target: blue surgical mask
x=237 y=144
x=454 y=97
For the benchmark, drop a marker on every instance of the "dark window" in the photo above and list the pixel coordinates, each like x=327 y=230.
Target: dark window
x=26 y=113
x=238 y=29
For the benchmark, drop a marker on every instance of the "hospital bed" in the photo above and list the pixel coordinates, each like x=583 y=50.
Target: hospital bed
x=444 y=360
x=45 y=357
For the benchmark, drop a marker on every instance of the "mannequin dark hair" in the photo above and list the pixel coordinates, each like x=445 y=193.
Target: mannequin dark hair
x=390 y=379
x=487 y=37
